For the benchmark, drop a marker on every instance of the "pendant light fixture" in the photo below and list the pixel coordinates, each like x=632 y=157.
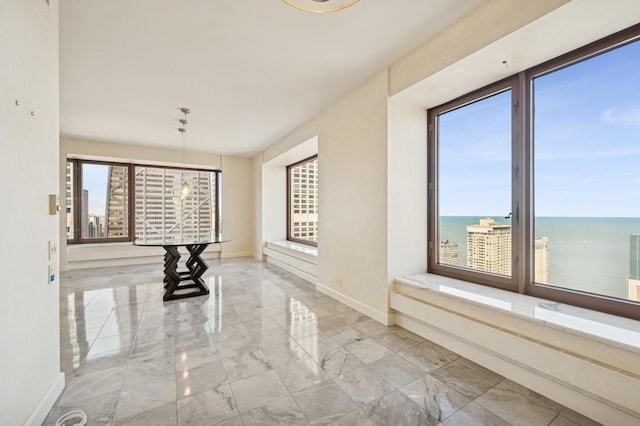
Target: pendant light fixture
x=184 y=191
x=321 y=6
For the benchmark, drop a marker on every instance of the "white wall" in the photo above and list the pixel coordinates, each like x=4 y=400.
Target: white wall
x=237 y=206
x=30 y=378
x=372 y=142
x=352 y=181
x=407 y=198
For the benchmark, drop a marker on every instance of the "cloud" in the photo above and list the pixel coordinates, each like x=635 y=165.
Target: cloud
x=586 y=155
x=624 y=116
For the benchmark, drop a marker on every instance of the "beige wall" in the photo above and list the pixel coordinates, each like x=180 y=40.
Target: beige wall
x=352 y=158
x=30 y=377
x=237 y=189
x=372 y=142
x=237 y=206
x=407 y=196
x=484 y=26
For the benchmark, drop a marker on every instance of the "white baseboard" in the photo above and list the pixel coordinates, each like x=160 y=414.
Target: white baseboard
x=287 y=267
x=46 y=403
x=232 y=254
x=367 y=310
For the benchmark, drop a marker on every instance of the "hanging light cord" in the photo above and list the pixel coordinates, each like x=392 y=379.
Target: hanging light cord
x=184 y=190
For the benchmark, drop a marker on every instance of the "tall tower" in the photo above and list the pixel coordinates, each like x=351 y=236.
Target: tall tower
x=116 y=224
x=305 y=201
x=489 y=247
x=541 y=260
x=85 y=214
x=448 y=254
x=161 y=212
x=633 y=283
x=69 y=203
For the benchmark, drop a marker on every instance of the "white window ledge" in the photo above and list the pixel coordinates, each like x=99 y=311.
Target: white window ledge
x=300 y=259
x=607 y=328
x=301 y=251
x=583 y=359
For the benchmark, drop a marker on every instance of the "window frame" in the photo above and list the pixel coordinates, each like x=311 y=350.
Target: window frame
x=76 y=178
x=289 y=202
x=506 y=283
x=523 y=252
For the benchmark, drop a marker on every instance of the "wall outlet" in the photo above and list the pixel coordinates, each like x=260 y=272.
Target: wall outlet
x=53 y=250
x=339 y=283
x=52 y=274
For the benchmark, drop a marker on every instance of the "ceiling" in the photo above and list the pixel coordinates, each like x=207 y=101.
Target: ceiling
x=250 y=70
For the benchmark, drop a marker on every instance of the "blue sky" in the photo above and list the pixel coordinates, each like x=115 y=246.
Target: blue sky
x=94 y=179
x=586 y=144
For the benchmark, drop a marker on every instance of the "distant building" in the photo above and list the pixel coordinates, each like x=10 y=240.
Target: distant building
x=489 y=247
x=633 y=283
x=69 y=201
x=117 y=216
x=448 y=254
x=160 y=211
x=541 y=260
x=304 y=202
x=85 y=213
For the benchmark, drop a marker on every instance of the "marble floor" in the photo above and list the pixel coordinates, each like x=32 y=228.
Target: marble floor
x=264 y=348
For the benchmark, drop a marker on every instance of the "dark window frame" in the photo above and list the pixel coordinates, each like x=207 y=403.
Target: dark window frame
x=289 y=202
x=522 y=279
x=77 y=198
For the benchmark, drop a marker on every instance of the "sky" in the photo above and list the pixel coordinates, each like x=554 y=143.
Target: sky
x=586 y=144
x=94 y=179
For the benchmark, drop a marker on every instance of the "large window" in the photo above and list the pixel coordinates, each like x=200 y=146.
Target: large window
x=534 y=182
x=302 y=201
x=104 y=204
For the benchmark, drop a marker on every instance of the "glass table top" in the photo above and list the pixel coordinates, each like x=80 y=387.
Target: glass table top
x=180 y=240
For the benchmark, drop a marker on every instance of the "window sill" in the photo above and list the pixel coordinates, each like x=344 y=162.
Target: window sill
x=583 y=359
x=301 y=251
x=299 y=259
x=606 y=328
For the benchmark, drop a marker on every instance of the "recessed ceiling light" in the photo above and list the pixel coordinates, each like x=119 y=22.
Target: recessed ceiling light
x=320 y=6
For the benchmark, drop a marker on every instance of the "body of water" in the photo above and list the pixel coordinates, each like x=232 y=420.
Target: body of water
x=585 y=253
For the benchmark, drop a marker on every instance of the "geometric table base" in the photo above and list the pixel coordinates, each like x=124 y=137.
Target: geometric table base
x=196 y=266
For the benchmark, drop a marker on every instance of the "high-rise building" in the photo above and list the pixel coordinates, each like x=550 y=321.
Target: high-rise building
x=633 y=283
x=448 y=254
x=161 y=212
x=541 y=261
x=489 y=250
x=304 y=219
x=116 y=220
x=489 y=247
x=69 y=201
x=85 y=213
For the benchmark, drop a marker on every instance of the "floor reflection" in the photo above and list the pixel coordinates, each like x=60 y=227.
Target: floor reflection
x=264 y=347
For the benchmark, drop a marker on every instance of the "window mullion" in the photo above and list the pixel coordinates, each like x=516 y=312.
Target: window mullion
x=521 y=217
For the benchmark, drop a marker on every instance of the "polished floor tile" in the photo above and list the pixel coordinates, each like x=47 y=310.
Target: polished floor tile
x=263 y=348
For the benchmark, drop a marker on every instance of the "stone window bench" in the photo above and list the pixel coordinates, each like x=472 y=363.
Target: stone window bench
x=586 y=360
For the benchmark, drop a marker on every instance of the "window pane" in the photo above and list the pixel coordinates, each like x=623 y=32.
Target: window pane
x=303 y=188
x=587 y=174
x=474 y=185
x=105 y=210
x=69 y=201
x=164 y=213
